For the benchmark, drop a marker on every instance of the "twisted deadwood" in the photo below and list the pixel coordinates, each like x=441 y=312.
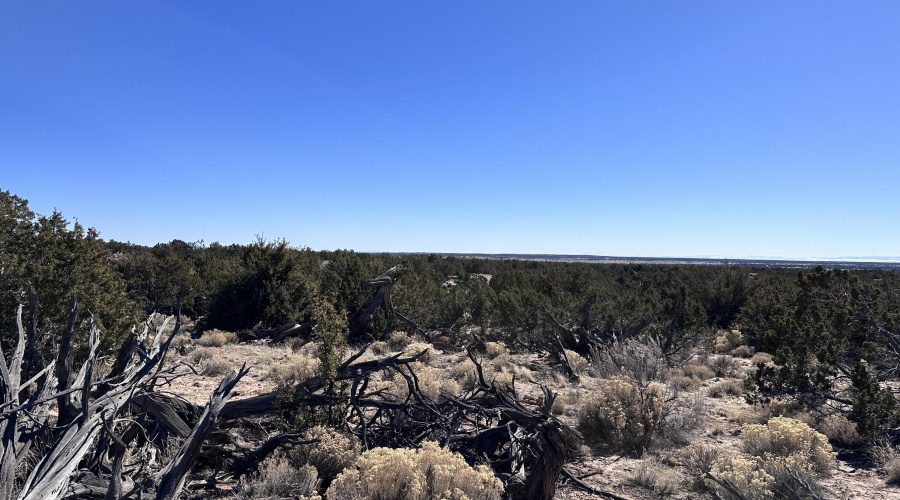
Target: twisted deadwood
x=171 y=478
x=382 y=298
x=584 y=340
x=521 y=440
x=87 y=409
x=280 y=334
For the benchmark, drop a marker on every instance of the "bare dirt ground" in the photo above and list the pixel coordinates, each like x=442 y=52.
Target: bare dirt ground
x=722 y=416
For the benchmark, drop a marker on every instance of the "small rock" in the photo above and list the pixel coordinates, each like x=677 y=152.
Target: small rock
x=847 y=469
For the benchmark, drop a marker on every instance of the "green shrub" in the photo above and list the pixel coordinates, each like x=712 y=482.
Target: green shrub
x=49 y=259
x=272 y=283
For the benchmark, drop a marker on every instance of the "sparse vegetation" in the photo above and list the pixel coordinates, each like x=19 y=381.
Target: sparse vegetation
x=782 y=454
x=840 y=431
x=820 y=342
x=724 y=388
x=430 y=472
x=278 y=478
x=650 y=475
x=215 y=338
x=623 y=415
x=214 y=367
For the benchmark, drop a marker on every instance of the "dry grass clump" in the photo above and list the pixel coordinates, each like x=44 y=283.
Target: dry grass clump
x=417 y=347
x=180 y=342
x=683 y=414
x=650 y=475
x=522 y=373
x=728 y=340
x=502 y=362
x=278 y=478
x=332 y=454
x=505 y=371
x=296 y=343
x=578 y=362
x=398 y=340
x=559 y=404
x=840 y=431
x=430 y=380
x=380 y=348
x=464 y=373
x=698 y=458
x=495 y=349
x=681 y=383
x=216 y=338
x=697 y=371
x=296 y=367
x=622 y=415
x=201 y=354
x=503 y=378
x=887 y=456
x=724 y=365
x=169 y=449
x=214 y=367
x=761 y=357
x=430 y=472
x=743 y=351
x=892 y=469
x=640 y=360
x=724 y=388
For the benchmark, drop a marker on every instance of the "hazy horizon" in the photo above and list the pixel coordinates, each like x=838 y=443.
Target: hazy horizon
x=682 y=129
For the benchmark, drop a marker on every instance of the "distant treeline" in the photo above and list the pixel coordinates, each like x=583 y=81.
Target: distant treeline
x=820 y=325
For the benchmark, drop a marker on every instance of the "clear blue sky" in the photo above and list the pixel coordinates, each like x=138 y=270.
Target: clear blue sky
x=619 y=128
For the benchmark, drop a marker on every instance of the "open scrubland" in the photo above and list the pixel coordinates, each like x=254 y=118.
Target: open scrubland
x=273 y=371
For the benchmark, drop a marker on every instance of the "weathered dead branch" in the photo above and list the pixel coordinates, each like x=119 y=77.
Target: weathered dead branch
x=280 y=334
x=171 y=478
x=382 y=298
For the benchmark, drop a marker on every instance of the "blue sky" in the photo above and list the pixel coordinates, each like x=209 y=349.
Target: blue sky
x=617 y=128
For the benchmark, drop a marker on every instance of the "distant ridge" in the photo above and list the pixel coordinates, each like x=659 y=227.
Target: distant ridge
x=840 y=262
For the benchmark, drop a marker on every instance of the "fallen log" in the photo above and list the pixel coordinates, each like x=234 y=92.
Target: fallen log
x=171 y=478
x=280 y=334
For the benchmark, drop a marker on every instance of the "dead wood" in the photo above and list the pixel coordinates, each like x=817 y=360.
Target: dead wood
x=280 y=334
x=590 y=489
x=583 y=339
x=526 y=446
x=171 y=478
x=382 y=298
x=102 y=422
